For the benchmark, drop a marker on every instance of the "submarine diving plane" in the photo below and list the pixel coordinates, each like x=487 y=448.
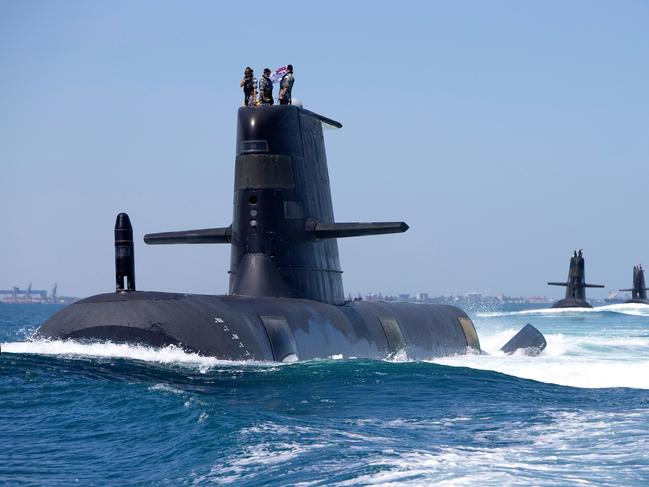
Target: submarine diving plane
x=575 y=285
x=286 y=299
x=639 y=290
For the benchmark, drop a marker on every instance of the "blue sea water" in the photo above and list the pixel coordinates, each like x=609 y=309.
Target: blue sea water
x=112 y=414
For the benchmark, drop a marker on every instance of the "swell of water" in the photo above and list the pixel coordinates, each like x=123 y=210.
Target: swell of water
x=586 y=347
x=632 y=309
x=165 y=417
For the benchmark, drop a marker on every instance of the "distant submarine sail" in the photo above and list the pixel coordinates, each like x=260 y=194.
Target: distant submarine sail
x=639 y=289
x=286 y=299
x=575 y=285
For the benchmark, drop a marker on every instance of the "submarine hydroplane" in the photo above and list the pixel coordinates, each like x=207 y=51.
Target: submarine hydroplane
x=286 y=299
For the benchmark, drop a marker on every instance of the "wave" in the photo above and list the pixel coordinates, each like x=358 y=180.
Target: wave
x=566 y=371
x=170 y=355
x=519 y=462
x=631 y=309
x=576 y=361
x=625 y=345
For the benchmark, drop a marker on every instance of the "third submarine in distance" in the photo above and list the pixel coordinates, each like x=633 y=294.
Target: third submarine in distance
x=639 y=290
x=286 y=299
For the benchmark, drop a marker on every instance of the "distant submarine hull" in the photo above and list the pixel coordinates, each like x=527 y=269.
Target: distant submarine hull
x=572 y=303
x=266 y=329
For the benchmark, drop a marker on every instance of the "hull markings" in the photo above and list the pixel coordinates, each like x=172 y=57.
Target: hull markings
x=233 y=336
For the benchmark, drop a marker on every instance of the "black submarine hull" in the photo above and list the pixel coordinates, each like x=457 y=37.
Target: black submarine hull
x=267 y=329
x=637 y=301
x=572 y=303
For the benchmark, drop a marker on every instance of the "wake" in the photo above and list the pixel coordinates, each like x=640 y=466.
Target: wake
x=582 y=361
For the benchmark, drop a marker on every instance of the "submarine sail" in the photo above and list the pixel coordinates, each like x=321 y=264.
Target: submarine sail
x=575 y=285
x=639 y=290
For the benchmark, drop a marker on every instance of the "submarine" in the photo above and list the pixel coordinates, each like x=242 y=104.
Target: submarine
x=575 y=285
x=285 y=299
x=639 y=290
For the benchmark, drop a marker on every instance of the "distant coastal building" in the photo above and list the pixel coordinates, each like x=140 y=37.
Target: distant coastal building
x=615 y=297
x=538 y=299
x=15 y=295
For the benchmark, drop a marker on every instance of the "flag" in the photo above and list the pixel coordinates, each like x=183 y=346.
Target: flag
x=278 y=74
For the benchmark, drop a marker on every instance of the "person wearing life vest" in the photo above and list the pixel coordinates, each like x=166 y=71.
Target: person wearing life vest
x=266 y=89
x=286 y=86
x=249 y=85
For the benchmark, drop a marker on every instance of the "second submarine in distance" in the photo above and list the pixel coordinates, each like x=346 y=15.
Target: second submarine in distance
x=575 y=285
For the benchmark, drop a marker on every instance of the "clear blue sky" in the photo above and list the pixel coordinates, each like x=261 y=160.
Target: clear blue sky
x=505 y=133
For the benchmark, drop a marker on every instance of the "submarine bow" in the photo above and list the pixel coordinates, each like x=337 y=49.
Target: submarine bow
x=286 y=297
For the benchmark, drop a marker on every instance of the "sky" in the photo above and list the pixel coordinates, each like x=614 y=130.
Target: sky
x=505 y=133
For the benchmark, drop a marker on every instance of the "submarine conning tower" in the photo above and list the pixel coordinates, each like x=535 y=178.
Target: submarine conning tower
x=283 y=233
x=575 y=285
x=281 y=182
x=639 y=290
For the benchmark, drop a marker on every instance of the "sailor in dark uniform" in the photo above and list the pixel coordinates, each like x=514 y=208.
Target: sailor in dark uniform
x=249 y=85
x=286 y=86
x=266 y=89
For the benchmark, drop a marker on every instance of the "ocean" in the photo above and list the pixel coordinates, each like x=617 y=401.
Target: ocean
x=111 y=414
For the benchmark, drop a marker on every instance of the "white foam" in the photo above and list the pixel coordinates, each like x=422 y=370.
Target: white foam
x=622 y=347
x=608 y=357
x=167 y=355
x=399 y=356
x=585 y=347
x=632 y=309
x=166 y=388
x=254 y=458
x=531 y=454
x=559 y=450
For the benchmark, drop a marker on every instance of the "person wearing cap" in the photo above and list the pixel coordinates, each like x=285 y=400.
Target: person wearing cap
x=249 y=85
x=266 y=89
x=286 y=86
